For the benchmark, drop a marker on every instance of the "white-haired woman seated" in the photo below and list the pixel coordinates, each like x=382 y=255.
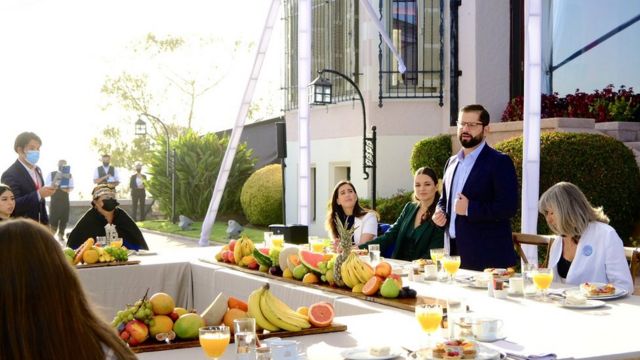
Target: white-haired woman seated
x=587 y=249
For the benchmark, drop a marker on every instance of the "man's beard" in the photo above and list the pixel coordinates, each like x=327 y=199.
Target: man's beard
x=474 y=141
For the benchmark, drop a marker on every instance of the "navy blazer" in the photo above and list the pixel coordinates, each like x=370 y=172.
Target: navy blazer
x=24 y=190
x=483 y=237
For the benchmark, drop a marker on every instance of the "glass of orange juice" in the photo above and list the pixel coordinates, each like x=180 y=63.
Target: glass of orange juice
x=542 y=278
x=277 y=241
x=214 y=340
x=451 y=264
x=429 y=317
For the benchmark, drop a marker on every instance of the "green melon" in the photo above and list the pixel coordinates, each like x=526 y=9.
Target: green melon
x=310 y=259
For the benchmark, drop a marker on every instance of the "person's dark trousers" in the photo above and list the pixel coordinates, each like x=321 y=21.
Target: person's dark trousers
x=59 y=213
x=137 y=201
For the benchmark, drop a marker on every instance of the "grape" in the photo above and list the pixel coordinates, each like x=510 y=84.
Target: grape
x=148 y=313
x=130 y=317
x=138 y=303
x=146 y=321
x=120 y=313
x=152 y=322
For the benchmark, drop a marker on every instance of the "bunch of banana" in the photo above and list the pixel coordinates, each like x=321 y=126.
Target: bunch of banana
x=354 y=271
x=244 y=246
x=104 y=256
x=273 y=314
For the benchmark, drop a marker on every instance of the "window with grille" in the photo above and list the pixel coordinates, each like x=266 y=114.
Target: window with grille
x=334 y=46
x=416 y=28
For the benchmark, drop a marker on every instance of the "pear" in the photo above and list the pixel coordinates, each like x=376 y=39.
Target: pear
x=389 y=289
x=300 y=271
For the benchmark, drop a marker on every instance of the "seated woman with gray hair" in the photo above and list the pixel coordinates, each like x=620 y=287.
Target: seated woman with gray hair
x=105 y=211
x=587 y=249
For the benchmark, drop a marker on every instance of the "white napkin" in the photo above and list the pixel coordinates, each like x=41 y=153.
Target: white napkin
x=533 y=357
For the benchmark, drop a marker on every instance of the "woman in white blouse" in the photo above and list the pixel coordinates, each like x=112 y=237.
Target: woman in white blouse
x=344 y=203
x=587 y=249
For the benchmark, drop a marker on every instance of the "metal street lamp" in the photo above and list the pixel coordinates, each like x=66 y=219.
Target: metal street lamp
x=141 y=130
x=321 y=93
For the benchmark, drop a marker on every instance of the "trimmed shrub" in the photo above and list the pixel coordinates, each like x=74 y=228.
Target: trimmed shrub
x=601 y=166
x=198 y=159
x=391 y=207
x=261 y=196
x=432 y=152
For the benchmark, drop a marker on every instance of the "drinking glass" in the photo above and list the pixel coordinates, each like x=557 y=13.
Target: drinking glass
x=214 y=340
x=529 y=287
x=316 y=244
x=429 y=317
x=436 y=257
x=451 y=264
x=374 y=254
x=542 y=278
x=267 y=239
x=245 y=337
x=277 y=240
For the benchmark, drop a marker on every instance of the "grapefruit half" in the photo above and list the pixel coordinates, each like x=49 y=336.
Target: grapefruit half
x=321 y=314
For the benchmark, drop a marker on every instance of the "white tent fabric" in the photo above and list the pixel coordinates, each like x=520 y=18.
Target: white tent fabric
x=374 y=16
x=236 y=132
x=532 y=111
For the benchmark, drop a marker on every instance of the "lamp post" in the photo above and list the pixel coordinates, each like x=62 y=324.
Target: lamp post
x=322 y=94
x=141 y=130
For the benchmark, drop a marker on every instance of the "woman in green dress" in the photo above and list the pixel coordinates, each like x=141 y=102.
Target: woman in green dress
x=414 y=234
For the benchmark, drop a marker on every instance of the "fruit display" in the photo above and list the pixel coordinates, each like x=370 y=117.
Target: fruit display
x=156 y=318
x=91 y=253
x=239 y=252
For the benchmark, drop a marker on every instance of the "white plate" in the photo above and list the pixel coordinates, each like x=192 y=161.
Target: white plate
x=363 y=354
x=142 y=252
x=483 y=353
x=617 y=294
x=589 y=304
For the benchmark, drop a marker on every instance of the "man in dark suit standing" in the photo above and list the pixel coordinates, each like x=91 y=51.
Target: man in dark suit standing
x=25 y=179
x=138 y=193
x=479 y=198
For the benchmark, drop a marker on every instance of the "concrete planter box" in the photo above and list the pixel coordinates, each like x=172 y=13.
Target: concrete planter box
x=622 y=130
x=500 y=131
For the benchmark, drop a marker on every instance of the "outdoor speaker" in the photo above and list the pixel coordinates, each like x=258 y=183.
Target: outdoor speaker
x=293 y=234
x=185 y=222
x=281 y=140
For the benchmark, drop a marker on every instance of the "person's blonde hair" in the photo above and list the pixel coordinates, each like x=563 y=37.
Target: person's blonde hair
x=44 y=312
x=571 y=210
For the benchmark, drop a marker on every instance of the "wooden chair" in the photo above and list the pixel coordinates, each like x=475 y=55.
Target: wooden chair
x=530 y=239
x=633 y=256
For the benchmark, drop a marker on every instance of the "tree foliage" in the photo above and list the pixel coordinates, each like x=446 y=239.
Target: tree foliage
x=197 y=163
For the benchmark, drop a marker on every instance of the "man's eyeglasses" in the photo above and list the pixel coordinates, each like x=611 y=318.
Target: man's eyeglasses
x=469 y=125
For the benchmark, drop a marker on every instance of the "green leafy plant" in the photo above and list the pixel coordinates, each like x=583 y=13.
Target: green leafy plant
x=261 y=196
x=601 y=166
x=432 y=152
x=391 y=207
x=198 y=160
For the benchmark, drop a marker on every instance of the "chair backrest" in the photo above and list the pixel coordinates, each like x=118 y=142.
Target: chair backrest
x=530 y=239
x=633 y=256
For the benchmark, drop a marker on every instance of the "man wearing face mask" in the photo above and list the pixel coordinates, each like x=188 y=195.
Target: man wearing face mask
x=25 y=179
x=59 y=205
x=106 y=174
x=105 y=211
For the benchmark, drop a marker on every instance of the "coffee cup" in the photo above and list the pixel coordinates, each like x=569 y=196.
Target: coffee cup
x=516 y=286
x=430 y=272
x=487 y=329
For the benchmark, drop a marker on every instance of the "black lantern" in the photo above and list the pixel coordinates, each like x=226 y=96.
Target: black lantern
x=320 y=92
x=141 y=127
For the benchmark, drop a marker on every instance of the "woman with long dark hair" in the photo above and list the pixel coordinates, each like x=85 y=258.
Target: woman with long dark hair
x=44 y=313
x=7 y=202
x=414 y=234
x=344 y=203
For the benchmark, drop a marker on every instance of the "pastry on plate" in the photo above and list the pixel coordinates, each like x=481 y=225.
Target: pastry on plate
x=591 y=289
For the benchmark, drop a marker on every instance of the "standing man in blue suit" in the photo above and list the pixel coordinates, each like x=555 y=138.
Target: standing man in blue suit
x=479 y=198
x=25 y=179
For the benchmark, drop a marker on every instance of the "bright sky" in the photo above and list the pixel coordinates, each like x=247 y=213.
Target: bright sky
x=56 y=55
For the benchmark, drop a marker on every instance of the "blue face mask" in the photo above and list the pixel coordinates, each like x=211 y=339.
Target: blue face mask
x=33 y=156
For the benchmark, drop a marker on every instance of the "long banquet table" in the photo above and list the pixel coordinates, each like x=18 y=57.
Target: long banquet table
x=531 y=327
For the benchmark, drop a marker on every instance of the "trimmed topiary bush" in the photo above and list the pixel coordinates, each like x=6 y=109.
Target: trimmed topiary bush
x=261 y=196
x=432 y=152
x=601 y=166
x=391 y=207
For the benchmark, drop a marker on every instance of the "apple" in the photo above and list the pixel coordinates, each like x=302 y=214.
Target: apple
x=397 y=278
x=177 y=312
x=253 y=265
x=138 y=332
x=232 y=244
x=124 y=335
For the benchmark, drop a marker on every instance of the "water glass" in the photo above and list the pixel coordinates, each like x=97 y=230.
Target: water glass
x=267 y=239
x=374 y=254
x=245 y=337
x=528 y=287
x=101 y=240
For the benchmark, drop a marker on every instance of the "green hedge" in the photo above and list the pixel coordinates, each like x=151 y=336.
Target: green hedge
x=261 y=196
x=432 y=152
x=389 y=208
x=602 y=167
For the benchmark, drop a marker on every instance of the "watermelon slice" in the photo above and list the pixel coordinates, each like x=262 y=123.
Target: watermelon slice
x=321 y=314
x=311 y=259
x=261 y=258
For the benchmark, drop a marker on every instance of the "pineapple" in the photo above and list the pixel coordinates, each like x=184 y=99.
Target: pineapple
x=345 y=248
